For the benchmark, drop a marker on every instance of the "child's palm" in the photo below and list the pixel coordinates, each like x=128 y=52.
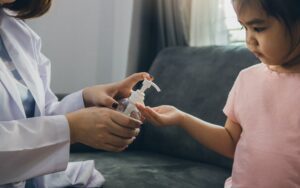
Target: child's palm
x=162 y=115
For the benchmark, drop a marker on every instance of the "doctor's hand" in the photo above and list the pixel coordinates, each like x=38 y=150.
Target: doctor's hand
x=108 y=94
x=102 y=128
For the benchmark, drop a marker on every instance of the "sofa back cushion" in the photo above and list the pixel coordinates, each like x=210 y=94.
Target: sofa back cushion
x=197 y=81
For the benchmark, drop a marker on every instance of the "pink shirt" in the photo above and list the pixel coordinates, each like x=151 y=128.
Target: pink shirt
x=267 y=106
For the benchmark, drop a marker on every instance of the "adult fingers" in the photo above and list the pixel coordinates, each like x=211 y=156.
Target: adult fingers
x=133 y=79
x=121 y=131
x=118 y=141
x=125 y=121
x=110 y=102
x=112 y=148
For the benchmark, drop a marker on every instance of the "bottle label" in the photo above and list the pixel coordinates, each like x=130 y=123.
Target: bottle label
x=129 y=109
x=123 y=103
x=136 y=115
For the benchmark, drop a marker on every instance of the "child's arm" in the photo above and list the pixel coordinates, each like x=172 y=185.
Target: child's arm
x=220 y=139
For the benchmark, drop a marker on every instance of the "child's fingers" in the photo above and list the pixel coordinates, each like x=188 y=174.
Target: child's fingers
x=153 y=115
x=152 y=120
x=148 y=116
x=151 y=111
x=143 y=118
x=141 y=108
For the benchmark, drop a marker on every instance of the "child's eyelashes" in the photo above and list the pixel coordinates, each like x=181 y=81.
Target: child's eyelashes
x=255 y=29
x=259 y=29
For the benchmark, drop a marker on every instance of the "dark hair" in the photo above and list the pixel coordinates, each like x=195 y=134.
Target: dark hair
x=28 y=8
x=286 y=11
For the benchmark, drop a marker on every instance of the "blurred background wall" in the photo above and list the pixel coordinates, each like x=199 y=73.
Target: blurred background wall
x=86 y=41
x=100 y=41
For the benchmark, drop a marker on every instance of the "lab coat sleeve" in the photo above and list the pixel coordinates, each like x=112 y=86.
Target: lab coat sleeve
x=33 y=147
x=36 y=146
x=69 y=103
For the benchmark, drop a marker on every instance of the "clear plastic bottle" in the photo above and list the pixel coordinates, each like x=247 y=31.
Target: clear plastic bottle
x=123 y=103
x=127 y=105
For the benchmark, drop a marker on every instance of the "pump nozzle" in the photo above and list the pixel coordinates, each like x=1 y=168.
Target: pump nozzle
x=138 y=95
x=147 y=84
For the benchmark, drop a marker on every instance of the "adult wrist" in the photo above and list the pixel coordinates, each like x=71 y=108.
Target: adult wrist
x=85 y=97
x=72 y=126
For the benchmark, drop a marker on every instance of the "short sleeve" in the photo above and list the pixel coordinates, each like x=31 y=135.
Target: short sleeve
x=230 y=107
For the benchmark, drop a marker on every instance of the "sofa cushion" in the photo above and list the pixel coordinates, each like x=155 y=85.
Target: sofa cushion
x=197 y=81
x=148 y=170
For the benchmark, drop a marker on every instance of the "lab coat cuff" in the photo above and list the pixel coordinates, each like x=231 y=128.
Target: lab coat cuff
x=76 y=100
x=64 y=153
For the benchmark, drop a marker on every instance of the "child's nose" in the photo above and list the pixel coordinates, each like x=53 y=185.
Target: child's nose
x=251 y=40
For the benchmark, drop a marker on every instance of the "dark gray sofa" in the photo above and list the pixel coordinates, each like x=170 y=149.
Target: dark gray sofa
x=195 y=80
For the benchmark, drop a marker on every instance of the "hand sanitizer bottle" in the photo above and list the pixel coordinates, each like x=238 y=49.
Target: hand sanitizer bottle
x=127 y=105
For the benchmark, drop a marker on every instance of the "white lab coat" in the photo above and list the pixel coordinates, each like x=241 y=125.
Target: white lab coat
x=39 y=145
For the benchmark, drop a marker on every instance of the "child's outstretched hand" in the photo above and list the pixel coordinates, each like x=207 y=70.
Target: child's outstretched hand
x=164 y=115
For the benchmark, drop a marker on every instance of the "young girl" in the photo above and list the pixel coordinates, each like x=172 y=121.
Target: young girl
x=262 y=131
x=35 y=128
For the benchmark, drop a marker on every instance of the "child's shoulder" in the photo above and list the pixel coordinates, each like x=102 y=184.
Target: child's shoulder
x=252 y=71
x=253 y=68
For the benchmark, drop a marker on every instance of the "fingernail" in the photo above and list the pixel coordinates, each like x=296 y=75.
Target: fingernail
x=114 y=105
x=151 y=77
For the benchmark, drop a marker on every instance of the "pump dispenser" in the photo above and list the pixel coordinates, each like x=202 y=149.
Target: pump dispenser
x=127 y=105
